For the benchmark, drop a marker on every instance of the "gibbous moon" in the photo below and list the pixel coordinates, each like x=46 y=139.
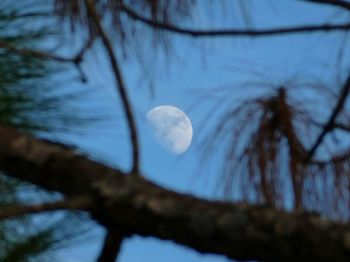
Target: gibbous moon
x=172 y=127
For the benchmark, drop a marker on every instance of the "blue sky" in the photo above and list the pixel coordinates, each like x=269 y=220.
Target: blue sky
x=178 y=82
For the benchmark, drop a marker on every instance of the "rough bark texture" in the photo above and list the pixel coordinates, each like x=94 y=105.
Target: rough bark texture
x=242 y=232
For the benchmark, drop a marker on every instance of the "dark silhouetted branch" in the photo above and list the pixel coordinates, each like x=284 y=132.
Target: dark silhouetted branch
x=342 y=126
x=336 y=3
x=33 y=14
x=19 y=210
x=36 y=53
x=111 y=247
x=120 y=84
x=330 y=124
x=24 y=51
x=76 y=59
x=239 y=231
x=233 y=32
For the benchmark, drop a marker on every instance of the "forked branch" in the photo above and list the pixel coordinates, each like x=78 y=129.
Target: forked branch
x=40 y=54
x=75 y=59
x=331 y=123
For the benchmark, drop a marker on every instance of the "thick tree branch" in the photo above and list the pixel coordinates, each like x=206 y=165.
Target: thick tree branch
x=233 y=32
x=243 y=232
x=120 y=84
x=19 y=210
x=330 y=124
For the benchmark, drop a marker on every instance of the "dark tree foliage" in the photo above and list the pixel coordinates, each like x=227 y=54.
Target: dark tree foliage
x=30 y=102
x=268 y=151
x=273 y=141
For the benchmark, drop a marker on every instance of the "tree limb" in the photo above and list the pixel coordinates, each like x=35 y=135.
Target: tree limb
x=19 y=210
x=36 y=53
x=111 y=246
x=120 y=84
x=341 y=126
x=233 y=32
x=330 y=124
x=40 y=54
x=242 y=232
x=76 y=59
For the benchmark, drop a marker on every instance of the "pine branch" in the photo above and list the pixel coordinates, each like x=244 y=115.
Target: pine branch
x=19 y=210
x=233 y=32
x=330 y=124
x=342 y=126
x=120 y=83
x=336 y=3
x=242 y=232
x=40 y=54
x=111 y=247
x=76 y=59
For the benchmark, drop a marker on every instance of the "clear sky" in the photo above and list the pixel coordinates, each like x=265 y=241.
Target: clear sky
x=179 y=82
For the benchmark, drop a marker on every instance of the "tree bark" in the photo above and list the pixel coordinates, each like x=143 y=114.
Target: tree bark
x=239 y=231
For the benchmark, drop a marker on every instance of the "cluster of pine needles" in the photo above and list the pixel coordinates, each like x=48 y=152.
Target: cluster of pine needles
x=267 y=153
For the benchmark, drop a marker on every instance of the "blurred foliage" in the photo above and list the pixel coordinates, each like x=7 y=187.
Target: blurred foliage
x=31 y=100
x=30 y=96
x=136 y=39
x=268 y=135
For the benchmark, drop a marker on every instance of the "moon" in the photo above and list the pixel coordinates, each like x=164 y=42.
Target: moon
x=172 y=128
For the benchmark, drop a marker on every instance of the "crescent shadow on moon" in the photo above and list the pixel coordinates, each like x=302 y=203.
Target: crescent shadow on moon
x=172 y=127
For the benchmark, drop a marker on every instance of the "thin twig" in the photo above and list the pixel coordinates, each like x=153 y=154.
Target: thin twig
x=330 y=124
x=36 y=53
x=76 y=59
x=120 y=84
x=111 y=246
x=233 y=32
x=19 y=210
x=342 y=126
x=337 y=3
x=32 y=14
